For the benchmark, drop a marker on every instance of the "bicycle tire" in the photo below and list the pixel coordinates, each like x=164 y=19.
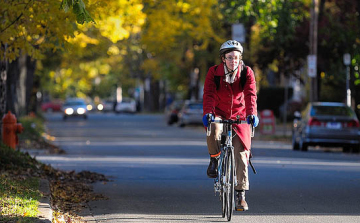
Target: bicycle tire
x=230 y=185
x=223 y=191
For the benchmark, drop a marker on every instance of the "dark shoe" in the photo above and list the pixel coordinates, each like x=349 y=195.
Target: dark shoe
x=240 y=203
x=212 y=168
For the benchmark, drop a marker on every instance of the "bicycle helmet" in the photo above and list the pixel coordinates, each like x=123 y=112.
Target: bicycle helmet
x=230 y=45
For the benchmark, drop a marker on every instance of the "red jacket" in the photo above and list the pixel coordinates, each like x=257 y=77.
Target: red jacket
x=231 y=100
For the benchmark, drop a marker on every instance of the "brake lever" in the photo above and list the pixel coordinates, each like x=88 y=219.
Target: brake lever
x=252 y=130
x=208 y=129
x=252 y=127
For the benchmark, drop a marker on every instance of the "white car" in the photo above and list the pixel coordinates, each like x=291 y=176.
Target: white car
x=126 y=105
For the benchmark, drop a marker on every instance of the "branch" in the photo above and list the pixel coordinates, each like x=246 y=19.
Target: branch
x=12 y=23
x=17 y=19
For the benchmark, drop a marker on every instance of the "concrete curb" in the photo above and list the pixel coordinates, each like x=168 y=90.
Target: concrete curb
x=45 y=211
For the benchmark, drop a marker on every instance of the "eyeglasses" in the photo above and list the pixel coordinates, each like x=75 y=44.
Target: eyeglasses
x=231 y=58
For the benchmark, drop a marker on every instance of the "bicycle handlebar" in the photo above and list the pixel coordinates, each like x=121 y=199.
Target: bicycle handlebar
x=229 y=121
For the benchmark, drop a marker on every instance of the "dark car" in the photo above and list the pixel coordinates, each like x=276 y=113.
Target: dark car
x=106 y=106
x=329 y=124
x=172 y=111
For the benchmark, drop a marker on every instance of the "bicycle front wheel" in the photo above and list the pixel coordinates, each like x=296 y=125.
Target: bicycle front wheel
x=222 y=175
x=230 y=184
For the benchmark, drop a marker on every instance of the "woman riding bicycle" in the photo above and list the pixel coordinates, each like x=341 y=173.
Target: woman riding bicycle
x=226 y=96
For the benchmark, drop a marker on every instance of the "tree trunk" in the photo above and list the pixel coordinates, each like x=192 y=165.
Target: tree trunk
x=11 y=81
x=20 y=78
x=31 y=90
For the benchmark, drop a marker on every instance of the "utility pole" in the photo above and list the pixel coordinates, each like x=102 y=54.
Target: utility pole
x=347 y=61
x=313 y=48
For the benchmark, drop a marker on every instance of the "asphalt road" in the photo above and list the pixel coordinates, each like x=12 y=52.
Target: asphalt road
x=158 y=174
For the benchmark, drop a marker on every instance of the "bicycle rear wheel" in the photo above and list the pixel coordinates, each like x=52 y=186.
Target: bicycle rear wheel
x=229 y=185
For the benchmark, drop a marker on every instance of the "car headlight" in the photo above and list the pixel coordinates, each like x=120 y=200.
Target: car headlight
x=69 y=111
x=81 y=111
x=100 y=107
x=89 y=107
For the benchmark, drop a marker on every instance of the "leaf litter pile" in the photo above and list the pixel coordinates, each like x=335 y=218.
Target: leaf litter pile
x=70 y=191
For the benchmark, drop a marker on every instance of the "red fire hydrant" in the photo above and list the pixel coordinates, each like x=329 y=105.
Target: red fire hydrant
x=10 y=129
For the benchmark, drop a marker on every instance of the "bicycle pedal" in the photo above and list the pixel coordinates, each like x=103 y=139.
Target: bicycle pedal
x=241 y=209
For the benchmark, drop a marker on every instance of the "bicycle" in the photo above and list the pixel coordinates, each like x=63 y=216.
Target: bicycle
x=226 y=179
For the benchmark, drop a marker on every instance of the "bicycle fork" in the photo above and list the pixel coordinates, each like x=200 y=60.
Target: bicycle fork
x=221 y=178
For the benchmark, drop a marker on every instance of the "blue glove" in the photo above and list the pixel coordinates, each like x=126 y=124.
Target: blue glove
x=253 y=119
x=206 y=119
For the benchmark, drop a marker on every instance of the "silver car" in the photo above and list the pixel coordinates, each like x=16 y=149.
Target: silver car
x=326 y=124
x=126 y=105
x=74 y=107
x=191 y=113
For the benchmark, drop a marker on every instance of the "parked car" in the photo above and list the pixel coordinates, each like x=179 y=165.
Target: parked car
x=74 y=107
x=51 y=106
x=326 y=124
x=126 y=105
x=191 y=113
x=106 y=106
x=172 y=111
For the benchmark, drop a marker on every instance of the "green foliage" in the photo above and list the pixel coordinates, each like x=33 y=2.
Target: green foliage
x=11 y=159
x=78 y=6
x=272 y=98
x=33 y=127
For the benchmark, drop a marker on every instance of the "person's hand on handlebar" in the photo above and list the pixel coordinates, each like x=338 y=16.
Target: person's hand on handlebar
x=206 y=118
x=253 y=119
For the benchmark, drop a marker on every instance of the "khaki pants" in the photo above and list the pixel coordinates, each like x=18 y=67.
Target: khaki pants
x=241 y=155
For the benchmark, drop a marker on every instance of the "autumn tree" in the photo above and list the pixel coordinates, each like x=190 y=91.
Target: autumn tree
x=27 y=30
x=178 y=37
x=95 y=62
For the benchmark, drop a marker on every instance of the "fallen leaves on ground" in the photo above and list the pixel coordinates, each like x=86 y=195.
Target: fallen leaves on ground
x=40 y=144
x=70 y=191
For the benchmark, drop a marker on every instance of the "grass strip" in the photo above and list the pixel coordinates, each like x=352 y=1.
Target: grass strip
x=19 y=198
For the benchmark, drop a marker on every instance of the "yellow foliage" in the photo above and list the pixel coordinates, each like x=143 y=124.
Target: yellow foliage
x=104 y=69
x=113 y=50
x=117 y=19
x=82 y=39
x=169 y=22
x=151 y=66
x=25 y=22
x=112 y=27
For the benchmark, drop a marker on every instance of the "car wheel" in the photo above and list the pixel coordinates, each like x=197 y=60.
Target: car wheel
x=64 y=117
x=303 y=146
x=181 y=125
x=346 y=149
x=295 y=144
x=85 y=117
x=356 y=149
